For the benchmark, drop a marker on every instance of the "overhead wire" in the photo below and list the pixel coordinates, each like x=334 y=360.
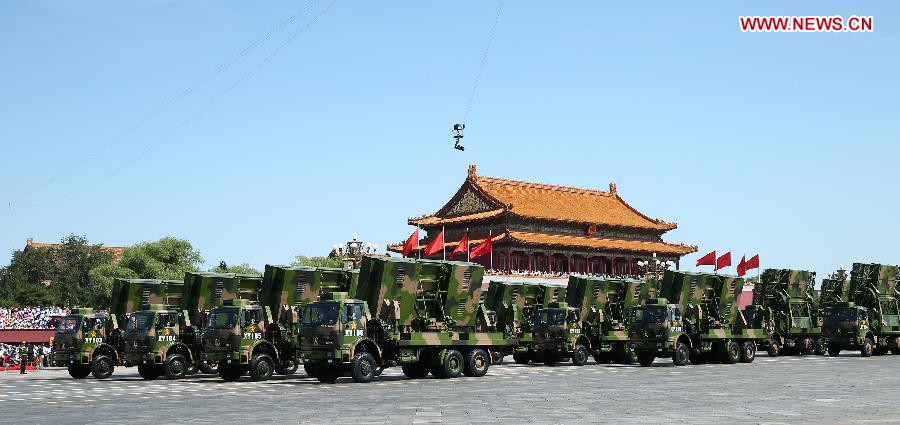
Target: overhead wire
x=200 y=113
x=484 y=57
x=169 y=103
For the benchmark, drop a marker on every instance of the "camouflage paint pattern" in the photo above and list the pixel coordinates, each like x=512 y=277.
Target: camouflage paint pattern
x=785 y=301
x=873 y=292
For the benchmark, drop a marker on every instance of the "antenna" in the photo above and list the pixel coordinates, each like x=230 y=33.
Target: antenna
x=458 y=136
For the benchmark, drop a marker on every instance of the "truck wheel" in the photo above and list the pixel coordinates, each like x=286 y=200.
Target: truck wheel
x=834 y=350
x=102 y=367
x=645 y=359
x=682 y=355
x=327 y=375
x=206 y=368
x=894 y=345
x=628 y=356
x=731 y=353
x=310 y=369
x=175 y=366
x=497 y=357
x=148 y=371
x=477 y=363
x=748 y=352
x=231 y=373
x=521 y=358
x=363 y=367
x=774 y=348
x=192 y=369
x=289 y=367
x=261 y=367
x=580 y=356
x=867 y=348
x=78 y=371
x=452 y=365
x=414 y=371
x=821 y=347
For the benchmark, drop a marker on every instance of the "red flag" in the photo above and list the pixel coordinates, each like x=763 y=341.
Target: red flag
x=485 y=247
x=707 y=260
x=742 y=267
x=412 y=243
x=463 y=246
x=436 y=244
x=723 y=261
x=753 y=262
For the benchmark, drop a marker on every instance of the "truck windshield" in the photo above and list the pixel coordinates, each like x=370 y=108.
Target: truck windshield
x=655 y=314
x=325 y=314
x=841 y=315
x=799 y=310
x=68 y=324
x=140 y=322
x=550 y=317
x=225 y=318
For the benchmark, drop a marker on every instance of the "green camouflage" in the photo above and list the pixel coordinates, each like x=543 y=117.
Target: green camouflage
x=695 y=318
x=423 y=315
x=870 y=320
x=785 y=301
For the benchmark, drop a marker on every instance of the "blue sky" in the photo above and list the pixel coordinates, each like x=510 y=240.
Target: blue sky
x=785 y=144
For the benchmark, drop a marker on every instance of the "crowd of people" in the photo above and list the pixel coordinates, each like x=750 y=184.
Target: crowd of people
x=18 y=355
x=536 y=273
x=30 y=317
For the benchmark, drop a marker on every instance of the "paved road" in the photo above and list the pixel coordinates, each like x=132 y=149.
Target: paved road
x=771 y=390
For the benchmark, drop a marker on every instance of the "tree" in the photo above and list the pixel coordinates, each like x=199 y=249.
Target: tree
x=167 y=258
x=302 y=260
x=243 y=268
x=75 y=258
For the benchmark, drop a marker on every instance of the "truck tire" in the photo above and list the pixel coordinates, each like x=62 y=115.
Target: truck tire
x=362 y=367
x=327 y=374
x=175 y=366
x=288 y=367
x=731 y=353
x=748 y=352
x=894 y=345
x=821 y=346
x=231 y=373
x=627 y=355
x=148 y=371
x=192 y=369
x=774 y=348
x=208 y=369
x=581 y=355
x=452 y=366
x=414 y=370
x=102 y=367
x=681 y=355
x=79 y=371
x=310 y=369
x=645 y=359
x=867 y=348
x=261 y=367
x=477 y=363
x=497 y=357
x=834 y=350
x=521 y=358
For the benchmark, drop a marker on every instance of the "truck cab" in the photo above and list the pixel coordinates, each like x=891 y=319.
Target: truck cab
x=657 y=330
x=87 y=343
x=240 y=336
x=160 y=341
x=557 y=331
x=850 y=326
x=333 y=331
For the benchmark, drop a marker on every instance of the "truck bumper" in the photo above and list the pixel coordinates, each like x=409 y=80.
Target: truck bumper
x=226 y=357
x=326 y=356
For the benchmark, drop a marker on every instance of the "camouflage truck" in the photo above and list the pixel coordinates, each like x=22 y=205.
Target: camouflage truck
x=511 y=305
x=89 y=342
x=695 y=319
x=164 y=339
x=255 y=329
x=422 y=315
x=787 y=299
x=867 y=318
x=593 y=321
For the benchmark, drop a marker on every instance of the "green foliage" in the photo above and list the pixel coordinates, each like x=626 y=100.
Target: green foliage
x=302 y=260
x=243 y=268
x=102 y=280
x=167 y=258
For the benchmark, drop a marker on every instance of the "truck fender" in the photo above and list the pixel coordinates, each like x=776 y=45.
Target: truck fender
x=369 y=346
x=105 y=349
x=583 y=340
x=177 y=347
x=264 y=347
x=684 y=339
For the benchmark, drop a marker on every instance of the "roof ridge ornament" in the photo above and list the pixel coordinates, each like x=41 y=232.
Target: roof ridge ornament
x=612 y=187
x=473 y=171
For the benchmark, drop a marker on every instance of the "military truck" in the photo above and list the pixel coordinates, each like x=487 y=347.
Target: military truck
x=695 y=319
x=165 y=339
x=868 y=318
x=511 y=305
x=593 y=321
x=255 y=329
x=787 y=299
x=89 y=342
x=422 y=315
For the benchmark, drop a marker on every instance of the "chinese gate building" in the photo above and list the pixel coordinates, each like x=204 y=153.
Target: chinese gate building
x=548 y=229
